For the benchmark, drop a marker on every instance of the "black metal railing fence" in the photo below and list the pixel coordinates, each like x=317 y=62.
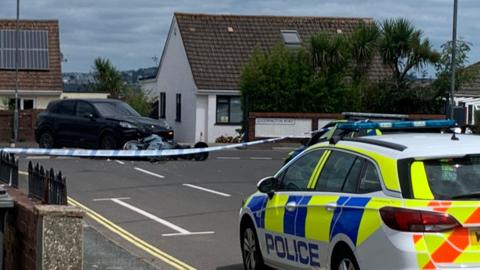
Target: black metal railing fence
x=8 y=169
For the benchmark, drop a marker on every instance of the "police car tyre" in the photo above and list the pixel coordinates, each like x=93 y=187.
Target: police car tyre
x=46 y=140
x=251 y=254
x=343 y=259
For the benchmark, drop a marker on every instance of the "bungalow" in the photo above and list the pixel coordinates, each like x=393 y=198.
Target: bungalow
x=40 y=75
x=198 y=77
x=468 y=96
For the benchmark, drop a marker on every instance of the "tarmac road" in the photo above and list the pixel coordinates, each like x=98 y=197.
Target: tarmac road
x=187 y=209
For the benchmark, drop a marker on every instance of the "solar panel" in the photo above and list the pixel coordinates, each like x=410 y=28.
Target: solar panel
x=33 y=49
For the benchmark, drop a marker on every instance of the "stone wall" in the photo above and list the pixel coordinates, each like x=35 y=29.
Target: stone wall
x=42 y=236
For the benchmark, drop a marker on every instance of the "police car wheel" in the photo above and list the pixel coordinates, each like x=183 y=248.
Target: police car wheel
x=345 y=260
x=252 y=258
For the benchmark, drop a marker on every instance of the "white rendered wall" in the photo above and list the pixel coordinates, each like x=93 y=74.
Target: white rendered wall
x=175 y=76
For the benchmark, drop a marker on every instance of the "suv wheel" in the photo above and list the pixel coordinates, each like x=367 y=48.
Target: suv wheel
x=46 y=140
x=108 y=142
x=252 y=257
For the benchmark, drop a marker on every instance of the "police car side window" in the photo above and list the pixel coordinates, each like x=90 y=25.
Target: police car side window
x=297 y=175
x=370 y=181
x=335 y=172
x=351 y=183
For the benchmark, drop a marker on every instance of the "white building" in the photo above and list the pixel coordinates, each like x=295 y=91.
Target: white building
x=199 y=72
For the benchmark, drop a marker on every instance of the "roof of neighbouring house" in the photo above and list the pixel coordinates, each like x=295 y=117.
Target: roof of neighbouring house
x=218 y=46
x=472 y=88
x=36 y=80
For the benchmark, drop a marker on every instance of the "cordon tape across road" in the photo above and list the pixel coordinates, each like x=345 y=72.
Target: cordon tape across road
x=129 y=153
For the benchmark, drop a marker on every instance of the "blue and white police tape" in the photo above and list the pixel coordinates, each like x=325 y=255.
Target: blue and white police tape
x=128 y=153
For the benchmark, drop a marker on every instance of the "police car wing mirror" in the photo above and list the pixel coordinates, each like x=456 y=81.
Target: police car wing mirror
x=267 y=185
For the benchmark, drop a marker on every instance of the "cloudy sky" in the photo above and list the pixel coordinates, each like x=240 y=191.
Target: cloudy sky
x=132 y=33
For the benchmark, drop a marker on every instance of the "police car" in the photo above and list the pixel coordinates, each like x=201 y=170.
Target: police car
x=396 y=201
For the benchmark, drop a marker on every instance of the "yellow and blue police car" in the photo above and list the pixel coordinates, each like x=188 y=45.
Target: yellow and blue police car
x=395 y=201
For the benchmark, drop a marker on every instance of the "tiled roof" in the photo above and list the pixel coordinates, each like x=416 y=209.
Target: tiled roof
x=50 y=80
x=218 y=46
x=472 y=88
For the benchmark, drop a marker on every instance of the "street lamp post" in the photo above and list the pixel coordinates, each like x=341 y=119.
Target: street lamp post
x=454 y=58
x=17 y=60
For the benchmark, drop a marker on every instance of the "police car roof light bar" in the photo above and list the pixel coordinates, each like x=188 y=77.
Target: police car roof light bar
x=397 y=124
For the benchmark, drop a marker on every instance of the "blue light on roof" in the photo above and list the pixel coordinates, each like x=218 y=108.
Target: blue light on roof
x=397 y=124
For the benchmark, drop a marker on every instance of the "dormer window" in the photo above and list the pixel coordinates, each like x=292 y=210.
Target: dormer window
x=291 y=38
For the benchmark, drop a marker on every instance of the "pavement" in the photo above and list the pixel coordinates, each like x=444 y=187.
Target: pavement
x=168 y=215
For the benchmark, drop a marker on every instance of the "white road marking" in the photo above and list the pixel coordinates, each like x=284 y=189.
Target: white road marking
x=180 y=231
x=22 y=173
x=120 y=162
x=149 y=172
x=186 y=234
x=151 y=216
x=228 y=158
x=109 y=199
x=208 y=190
x=261 y=158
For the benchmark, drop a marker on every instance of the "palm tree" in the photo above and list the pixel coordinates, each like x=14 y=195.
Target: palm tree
x=404 y=48
x=363 y=47
x=330 y=53
x=107 y=77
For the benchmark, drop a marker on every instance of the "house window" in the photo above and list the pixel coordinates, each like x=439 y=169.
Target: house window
x=291 y=38
x=32 y=49
x=229 y=110
x=178 y=114
x=162 y=105
x=23 y=103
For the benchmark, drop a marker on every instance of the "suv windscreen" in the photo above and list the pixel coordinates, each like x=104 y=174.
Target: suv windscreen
x=115 y=108
x=454 y=178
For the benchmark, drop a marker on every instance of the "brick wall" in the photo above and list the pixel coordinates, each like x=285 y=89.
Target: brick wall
x=21 y=234
x=26 y=127
x=42 y=237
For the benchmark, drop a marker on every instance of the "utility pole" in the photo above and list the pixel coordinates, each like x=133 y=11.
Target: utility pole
x=454 y=58
x=17 y=60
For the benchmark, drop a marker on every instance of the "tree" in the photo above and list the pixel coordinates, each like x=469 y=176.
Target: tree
x=275 y=81
x=404 y=49
x=138 y=100
x=108 y=78
x=363 y=46
x=444 y=67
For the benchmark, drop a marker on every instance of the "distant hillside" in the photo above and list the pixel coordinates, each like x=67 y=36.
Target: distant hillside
x=83 y=82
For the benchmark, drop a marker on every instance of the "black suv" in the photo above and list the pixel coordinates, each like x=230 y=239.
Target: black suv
x=94 y=123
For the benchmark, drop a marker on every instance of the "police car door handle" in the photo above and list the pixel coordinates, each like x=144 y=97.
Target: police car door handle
x=331 y=206
x=291 y=206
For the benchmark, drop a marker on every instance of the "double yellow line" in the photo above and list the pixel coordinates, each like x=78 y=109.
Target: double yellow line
x=174 y=262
